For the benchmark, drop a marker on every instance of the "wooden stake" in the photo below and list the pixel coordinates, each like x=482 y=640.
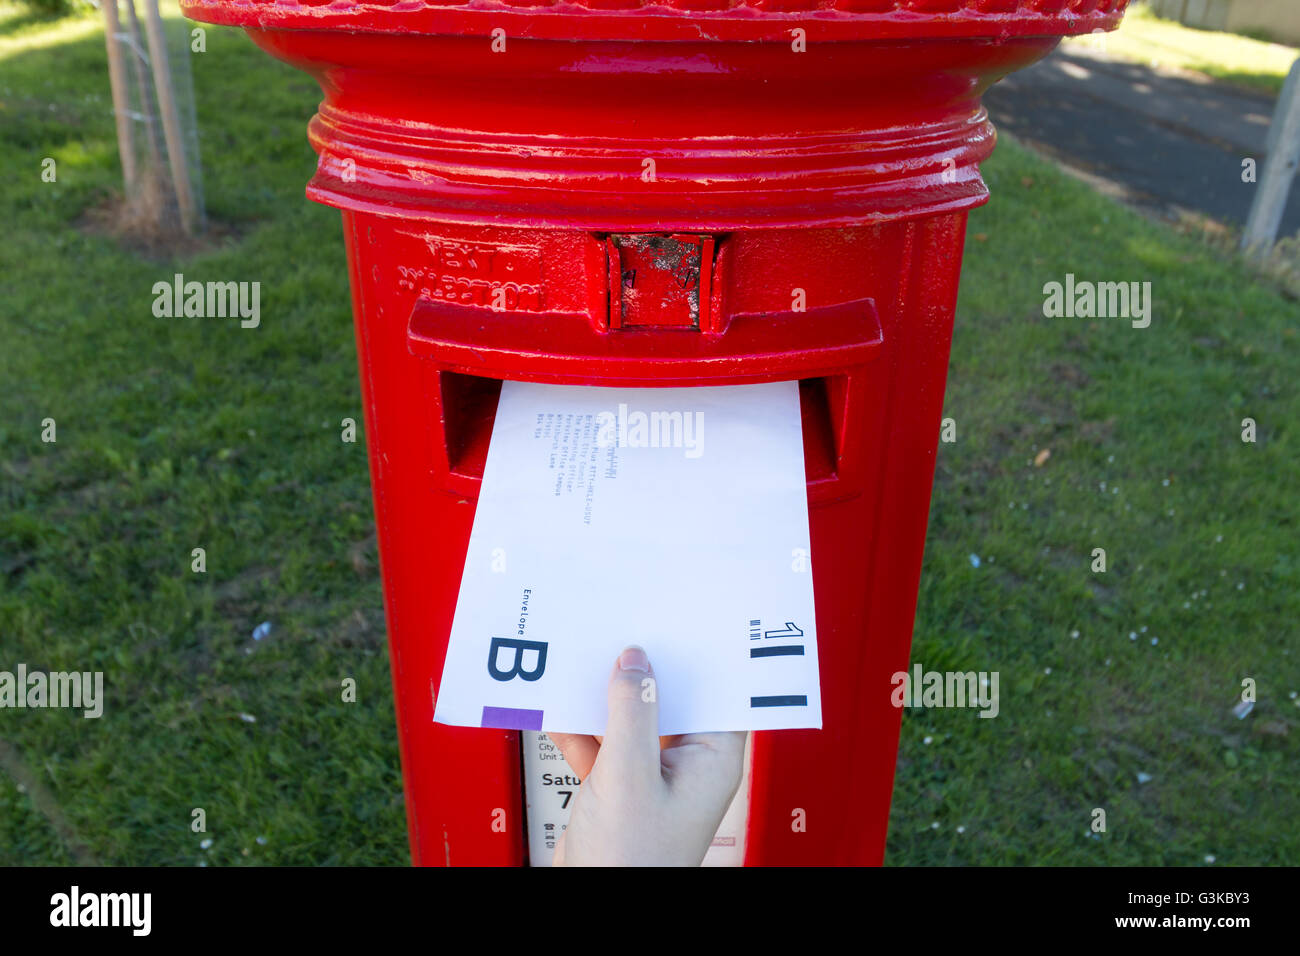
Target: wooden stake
x=171 y=121
x=121 y=99
x=145 y=88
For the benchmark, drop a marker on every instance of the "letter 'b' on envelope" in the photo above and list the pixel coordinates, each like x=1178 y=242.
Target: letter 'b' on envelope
x=672 y=518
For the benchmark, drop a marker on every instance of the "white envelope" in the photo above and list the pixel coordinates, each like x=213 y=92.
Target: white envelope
x=671 y=518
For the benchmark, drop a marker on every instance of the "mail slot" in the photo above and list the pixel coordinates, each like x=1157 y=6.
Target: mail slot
x=635 y=195
x=467 y=404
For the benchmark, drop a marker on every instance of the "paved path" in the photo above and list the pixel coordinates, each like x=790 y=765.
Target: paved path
x=1165 y=139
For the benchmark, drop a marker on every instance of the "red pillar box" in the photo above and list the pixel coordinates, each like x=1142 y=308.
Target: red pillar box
x=798 y=171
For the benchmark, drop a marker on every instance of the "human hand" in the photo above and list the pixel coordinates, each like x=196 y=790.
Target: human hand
x=645 y=800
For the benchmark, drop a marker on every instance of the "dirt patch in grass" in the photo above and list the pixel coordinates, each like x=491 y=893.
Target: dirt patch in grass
x=135 y=228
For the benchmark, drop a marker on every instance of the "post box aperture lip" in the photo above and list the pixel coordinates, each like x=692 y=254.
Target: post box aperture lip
x=757 y=347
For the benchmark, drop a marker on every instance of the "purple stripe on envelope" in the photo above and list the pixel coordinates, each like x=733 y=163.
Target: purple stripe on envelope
x=511 y=718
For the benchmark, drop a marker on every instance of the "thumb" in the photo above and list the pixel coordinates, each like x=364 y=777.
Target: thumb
x=631 y=745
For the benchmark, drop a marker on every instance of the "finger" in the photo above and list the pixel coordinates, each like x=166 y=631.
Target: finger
x=557 y=858
x=578 y=749
x=631 y=745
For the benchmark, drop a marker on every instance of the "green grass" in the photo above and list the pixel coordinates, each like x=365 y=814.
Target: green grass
x=1145 y=38
x=181 y=434
x=176 y=435
x=1206 y=563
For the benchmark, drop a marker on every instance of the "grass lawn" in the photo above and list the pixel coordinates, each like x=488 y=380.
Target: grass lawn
x=1145 y=38
x=177 y=434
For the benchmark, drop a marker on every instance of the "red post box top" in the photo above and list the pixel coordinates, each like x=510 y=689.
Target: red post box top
x=676 y=19
x=639 y=116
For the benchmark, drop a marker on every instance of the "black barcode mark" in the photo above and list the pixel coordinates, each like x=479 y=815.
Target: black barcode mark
x=790 y=650
x=790 y=700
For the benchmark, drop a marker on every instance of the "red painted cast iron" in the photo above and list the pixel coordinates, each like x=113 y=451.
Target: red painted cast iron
x=804 y=166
